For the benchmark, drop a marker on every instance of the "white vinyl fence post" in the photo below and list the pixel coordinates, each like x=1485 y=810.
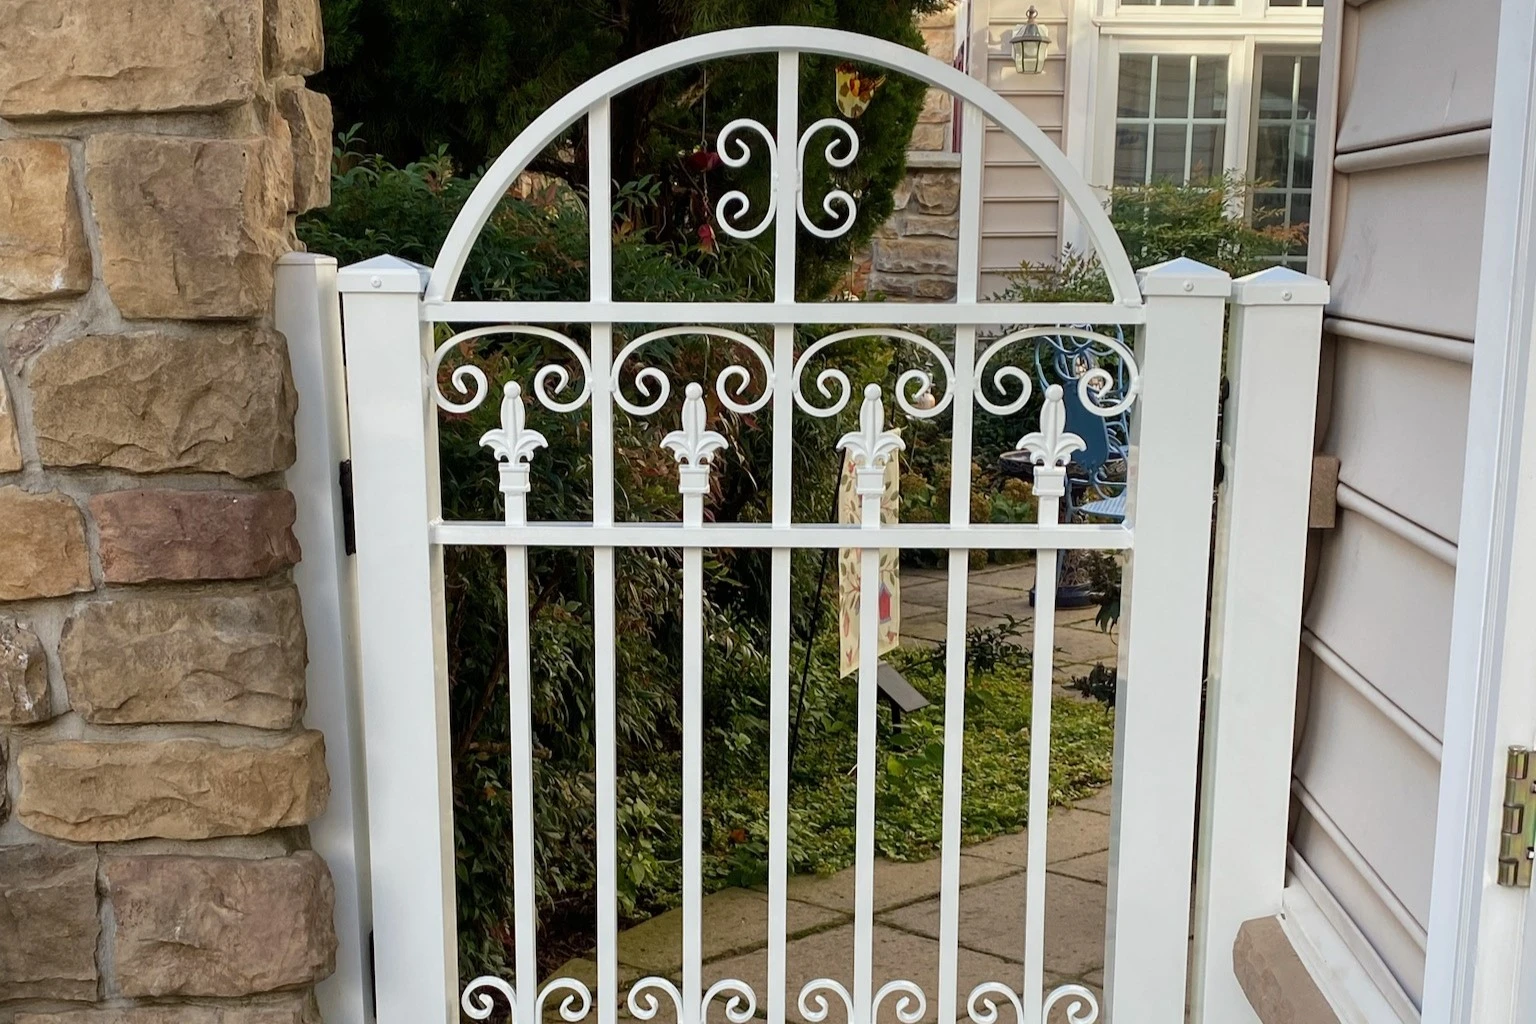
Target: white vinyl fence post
x=1157 y=723
x=308 y=313
x=404 y=664
x=1261 y=545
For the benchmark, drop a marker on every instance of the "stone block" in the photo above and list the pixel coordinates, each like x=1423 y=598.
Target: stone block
x=295 y=38
x=919 y=224
x=194 y=535
x=42 y=239
x=913 y=286
x=48 y=922
x=23 y=676
x=219 y=400
x=929 y=138
x=936 y=192
x=42 y=545
x=939 y=40
x=936 y=107
x=308 y=114
x=190 y=227
x=219 y=926
x=214 y=658
x=288 y=1008
x=93 y=792
x=10 y=443
x=106 y=56
x=1274 y=979
x=917 y=256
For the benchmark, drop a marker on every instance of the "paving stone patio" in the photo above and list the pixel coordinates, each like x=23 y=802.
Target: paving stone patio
x=992 y=886
x=994 y=593
x=992 y=874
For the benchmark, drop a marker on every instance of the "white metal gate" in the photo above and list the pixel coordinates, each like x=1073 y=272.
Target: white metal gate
x=1170 y=387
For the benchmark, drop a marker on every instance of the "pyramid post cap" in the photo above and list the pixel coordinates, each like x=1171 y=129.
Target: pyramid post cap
x=384 y=274
x=1279 y=286
x=1184 y=276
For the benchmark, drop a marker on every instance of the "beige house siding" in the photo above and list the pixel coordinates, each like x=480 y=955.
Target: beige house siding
x=1402 y=251
x=1021 y=209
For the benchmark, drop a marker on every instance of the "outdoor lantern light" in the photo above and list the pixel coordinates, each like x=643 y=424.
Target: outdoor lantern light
x=1029 y=43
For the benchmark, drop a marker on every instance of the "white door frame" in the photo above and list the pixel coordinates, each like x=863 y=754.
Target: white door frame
x=1479 y=968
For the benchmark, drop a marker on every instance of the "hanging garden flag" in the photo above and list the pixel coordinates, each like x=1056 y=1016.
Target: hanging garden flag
x=848 y=569
x=855 y=89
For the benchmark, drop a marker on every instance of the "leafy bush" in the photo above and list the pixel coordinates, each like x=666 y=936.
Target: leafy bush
x=1159 y=222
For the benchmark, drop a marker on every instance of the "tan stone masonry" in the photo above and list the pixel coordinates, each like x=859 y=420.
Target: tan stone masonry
x=156 y=776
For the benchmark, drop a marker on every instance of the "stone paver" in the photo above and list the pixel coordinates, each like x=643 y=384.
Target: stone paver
x=993 y=594
x=992 y=921
x=907 y=903
x=896 y=882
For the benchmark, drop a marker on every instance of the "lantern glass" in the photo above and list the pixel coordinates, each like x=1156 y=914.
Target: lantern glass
x=1029 y=56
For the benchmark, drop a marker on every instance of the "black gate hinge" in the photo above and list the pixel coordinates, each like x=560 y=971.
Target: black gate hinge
x=348 y=520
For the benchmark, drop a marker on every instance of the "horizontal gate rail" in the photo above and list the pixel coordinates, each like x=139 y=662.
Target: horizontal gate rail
x=948 y=314
x=1020 y=537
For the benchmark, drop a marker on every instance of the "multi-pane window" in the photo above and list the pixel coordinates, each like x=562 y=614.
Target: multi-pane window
x=1178 y=3
x=1286 y=128
x=1289 y=3
x=1171 y=118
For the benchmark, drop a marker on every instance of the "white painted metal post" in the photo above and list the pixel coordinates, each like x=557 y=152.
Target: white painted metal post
x=1172 y=463
x=308 y=313
x=1261 y=545
x=404 y=664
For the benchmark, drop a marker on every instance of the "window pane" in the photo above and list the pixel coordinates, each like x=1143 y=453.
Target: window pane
x=1302 y=170
x=1173 y=87
x=1301 y=208
x=1275 y=80
x=1307 y=95
x=1131 y=154
x=1268 y=209
x=1272 y=154
x=1135 y=85
x=1205 y=154
x=1168 y=141
x=1210 y=87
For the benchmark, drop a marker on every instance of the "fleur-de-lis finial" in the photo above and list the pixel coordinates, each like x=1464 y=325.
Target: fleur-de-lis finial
x=871 y=447
x=694 y=445
x=513 y=445
x=1050 y=448
x=512 y=441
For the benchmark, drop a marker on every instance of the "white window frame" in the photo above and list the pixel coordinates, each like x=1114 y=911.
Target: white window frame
x=1291 y=52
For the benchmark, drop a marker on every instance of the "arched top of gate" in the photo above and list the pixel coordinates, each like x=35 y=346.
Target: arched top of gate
x=773 y=39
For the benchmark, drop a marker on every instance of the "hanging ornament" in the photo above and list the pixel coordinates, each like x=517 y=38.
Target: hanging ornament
x=855 y=89
x=706 y=239
x=702 y=160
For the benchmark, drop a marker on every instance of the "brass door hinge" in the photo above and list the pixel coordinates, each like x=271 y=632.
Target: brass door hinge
x=1517 y=833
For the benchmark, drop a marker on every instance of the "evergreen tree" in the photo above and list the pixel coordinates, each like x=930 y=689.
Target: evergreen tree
x=468 y=75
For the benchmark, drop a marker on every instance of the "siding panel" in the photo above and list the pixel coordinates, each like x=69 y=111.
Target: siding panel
x=1399 y=428
x=1406 y=247
x=1420 y=68
x=1385 y=607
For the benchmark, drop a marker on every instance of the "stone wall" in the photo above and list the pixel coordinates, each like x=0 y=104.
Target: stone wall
x=157 y=773
x=914 y=255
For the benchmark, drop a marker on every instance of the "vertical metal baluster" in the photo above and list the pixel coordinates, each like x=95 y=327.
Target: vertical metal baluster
x=787 y=173
x=514 y=486
x=973 y=128
x=1033 y=992
x=693 y=768
x=600 y=231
